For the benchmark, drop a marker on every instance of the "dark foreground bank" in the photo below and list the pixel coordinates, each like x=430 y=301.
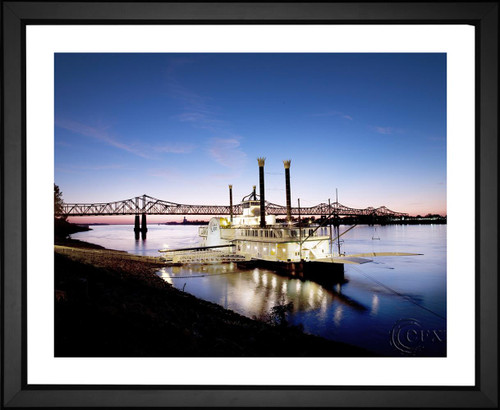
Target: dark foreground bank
x=112 y=304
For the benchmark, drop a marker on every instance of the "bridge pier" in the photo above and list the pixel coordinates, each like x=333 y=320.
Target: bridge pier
x=140 y=227
x=137 y=227
x=144 y=227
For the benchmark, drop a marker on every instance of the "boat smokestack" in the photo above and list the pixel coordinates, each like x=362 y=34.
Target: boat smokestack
x=231 y=202
x=254 y=194
x=261 y=162
x=288 y=192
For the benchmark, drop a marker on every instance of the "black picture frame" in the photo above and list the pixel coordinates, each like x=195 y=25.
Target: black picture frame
x=15 y=392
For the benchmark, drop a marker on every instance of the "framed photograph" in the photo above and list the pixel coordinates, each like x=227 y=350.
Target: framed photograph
x=221 y=135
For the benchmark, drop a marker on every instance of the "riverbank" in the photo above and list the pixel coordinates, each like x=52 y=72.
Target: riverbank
x=63 y=228
x=112 y=304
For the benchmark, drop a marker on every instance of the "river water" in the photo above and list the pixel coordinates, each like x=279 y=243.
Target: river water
x=393 y=306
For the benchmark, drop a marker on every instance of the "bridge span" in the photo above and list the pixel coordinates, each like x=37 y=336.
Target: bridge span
x=146 y=204
x=140 y=206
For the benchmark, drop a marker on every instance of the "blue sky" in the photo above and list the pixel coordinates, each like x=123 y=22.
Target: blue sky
x=181 y=127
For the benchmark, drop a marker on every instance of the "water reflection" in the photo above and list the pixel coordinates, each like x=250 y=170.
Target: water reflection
x=252 y=292
x=337 y=316
x=375 y=302
x=362 y=310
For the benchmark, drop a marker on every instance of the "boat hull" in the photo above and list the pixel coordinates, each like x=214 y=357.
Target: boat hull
x=320 y=272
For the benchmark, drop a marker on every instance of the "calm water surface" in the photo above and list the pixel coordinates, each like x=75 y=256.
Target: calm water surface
x=394 y=306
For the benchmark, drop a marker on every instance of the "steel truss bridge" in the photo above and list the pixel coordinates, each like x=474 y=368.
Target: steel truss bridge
x=153 y=206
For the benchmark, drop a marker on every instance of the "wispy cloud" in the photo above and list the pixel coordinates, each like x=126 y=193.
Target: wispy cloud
x=81 y=169
x=201 y=120
x=227 y=152
x=99 y=167
x=384 y=130
x=191 y=117
x=142 y=150
x=100 y=134
x=198 y=110
x=175 y=148
x=191 y=101
x=333 y=114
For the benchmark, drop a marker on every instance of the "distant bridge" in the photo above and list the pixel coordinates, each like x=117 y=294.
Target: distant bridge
x=146 y=205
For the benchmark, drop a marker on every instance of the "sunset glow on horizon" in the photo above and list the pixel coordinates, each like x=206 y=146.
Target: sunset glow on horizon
x=182 y=127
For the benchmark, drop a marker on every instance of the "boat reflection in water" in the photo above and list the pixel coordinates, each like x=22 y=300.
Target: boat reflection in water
x=253 y=292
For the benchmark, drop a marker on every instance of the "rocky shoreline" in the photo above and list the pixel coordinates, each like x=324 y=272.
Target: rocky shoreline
x=112 y=304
